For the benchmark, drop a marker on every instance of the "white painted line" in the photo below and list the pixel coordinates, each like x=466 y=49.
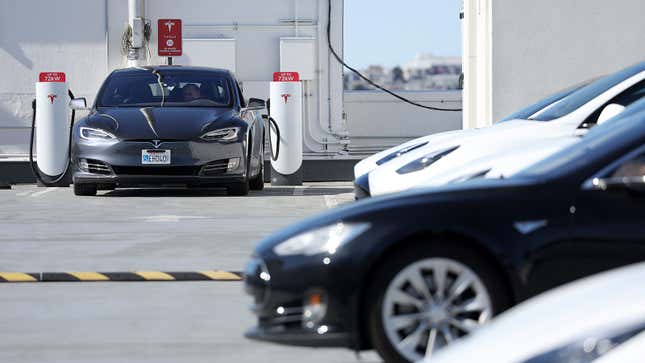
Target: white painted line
x=299 y=191
x=38 y=194
x=330 y=201
x=168 y=218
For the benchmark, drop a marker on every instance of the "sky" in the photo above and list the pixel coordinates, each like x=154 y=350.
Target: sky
x=391 y=33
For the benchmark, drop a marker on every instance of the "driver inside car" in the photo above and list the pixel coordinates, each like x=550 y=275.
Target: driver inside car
x=190 y=92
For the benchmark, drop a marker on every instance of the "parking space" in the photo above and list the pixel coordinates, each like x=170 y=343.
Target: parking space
x=143 y=230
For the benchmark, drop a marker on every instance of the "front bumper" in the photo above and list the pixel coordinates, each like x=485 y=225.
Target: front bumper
x=193 y=163
x=279 y=303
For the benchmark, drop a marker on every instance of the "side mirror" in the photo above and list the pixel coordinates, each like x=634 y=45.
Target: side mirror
x=78 y=103
x=256 y=104
x=609 y=111
x=630 y=184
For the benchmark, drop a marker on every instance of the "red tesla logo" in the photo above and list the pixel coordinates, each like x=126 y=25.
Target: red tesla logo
x=51 y=98
x=285 y=97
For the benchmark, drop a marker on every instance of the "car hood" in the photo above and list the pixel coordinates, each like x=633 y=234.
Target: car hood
x=370 y=163
x=486 y=142
x=363 y=209
x=163 y=123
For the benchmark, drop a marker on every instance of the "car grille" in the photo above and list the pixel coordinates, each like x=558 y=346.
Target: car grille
x=97 y=167
x=215 y=167
x=288 y=315
x=156 y=170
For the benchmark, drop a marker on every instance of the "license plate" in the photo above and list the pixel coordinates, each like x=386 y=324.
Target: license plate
x=155 y=157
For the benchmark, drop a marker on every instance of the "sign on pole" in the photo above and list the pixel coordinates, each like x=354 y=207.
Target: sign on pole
x=169 y=37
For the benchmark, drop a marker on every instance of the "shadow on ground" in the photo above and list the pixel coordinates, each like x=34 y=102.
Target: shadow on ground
x=221 y=192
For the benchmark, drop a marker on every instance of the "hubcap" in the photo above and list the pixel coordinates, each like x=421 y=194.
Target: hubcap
x=430 y=303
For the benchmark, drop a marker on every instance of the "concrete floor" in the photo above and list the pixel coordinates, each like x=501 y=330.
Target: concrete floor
x=52 y=230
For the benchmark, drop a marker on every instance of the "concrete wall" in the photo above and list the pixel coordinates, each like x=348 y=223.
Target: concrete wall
x=376 y=120
x=40 y=36
x=539 y=47
x=83 y=39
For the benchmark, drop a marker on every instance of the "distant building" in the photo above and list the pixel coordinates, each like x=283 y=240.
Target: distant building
x=426 y=71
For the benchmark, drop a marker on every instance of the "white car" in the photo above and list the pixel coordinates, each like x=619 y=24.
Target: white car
x=370 y=163
x=597 y=319
x=504 y=165
x=568 y=117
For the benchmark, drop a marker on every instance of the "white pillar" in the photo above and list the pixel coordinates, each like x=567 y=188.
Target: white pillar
x=136 y=9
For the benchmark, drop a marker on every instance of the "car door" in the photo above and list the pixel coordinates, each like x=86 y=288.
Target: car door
x=606 y=230
x=608 y=226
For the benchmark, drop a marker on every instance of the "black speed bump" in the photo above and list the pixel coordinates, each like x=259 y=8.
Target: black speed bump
x=213 y=275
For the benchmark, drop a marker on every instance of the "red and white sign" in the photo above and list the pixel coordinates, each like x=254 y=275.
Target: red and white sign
x=286 y=77
x=169 y=37
x=51 y=77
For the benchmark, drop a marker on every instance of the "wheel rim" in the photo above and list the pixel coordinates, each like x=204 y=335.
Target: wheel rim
x=430 y=303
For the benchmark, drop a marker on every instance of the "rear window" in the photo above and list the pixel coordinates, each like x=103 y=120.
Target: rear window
x=170 y=89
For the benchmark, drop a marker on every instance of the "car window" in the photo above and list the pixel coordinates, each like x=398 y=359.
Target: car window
x=239 y=91
x=529 y=111
x=580 y=97
x=171 y=89
x=634 y=167
x=626 y=98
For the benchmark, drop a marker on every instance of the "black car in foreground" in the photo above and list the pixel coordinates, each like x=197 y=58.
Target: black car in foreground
x=169 y=125
x=409 y=273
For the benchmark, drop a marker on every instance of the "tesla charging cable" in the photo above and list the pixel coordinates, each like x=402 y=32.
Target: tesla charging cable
x=273 y=127
x=34 y=168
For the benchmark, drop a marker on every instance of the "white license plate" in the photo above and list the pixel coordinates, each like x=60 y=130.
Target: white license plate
x=155 y=157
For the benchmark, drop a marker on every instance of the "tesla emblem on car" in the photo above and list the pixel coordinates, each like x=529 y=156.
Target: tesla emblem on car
x=156 y=143
x=285 y=97
x=51 y=98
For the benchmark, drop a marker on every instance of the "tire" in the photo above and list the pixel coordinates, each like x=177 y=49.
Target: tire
x=85 y=189
x=239 y=189
x=398 y=270
x=257 y=183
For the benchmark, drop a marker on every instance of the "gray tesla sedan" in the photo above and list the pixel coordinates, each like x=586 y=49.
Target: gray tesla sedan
x=169 y=126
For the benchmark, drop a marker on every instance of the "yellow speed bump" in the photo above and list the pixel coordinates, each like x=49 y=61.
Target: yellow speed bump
x=155 y=275
x=89 y=276
x=221 y=275
x=17 y=277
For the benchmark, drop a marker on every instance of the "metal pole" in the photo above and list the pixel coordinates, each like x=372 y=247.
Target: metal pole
x=169 y=61
x=135 y=10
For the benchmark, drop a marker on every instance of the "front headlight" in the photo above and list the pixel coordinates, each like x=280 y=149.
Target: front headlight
x=425 y=161
x=89 y=133
x=227 y=134
x=321 y=240
x=400 y=152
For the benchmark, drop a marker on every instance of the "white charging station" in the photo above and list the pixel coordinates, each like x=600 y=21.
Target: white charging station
x=286 y=110
x=52 y=125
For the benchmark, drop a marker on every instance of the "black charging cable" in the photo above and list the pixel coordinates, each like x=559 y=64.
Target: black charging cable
x=273 y=128
x=34 y=167
x=340 y=60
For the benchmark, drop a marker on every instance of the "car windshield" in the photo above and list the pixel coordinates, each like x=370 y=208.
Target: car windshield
x=531 y=110
x=585 y=94
x=166 y=89
x=609 y=135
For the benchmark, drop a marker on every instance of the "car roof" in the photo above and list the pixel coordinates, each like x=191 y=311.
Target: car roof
x=173 y=68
